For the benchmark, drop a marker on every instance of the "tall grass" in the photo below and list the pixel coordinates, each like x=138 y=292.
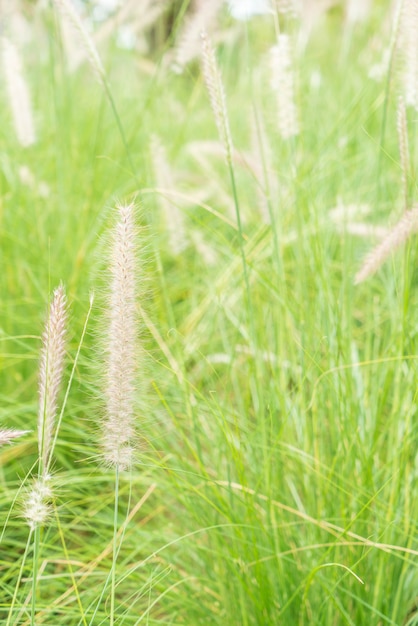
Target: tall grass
x=276 y=477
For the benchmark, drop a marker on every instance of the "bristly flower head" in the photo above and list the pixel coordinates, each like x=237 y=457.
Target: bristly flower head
x=216 y=91
x=50 y=373
x=400 y=233
x=7 y=435
x=402 y=126
x=67 y=9
x=409 y=51
x=282 y=82
x=121 y=344
x=37 y=507
x=203 y=18
x=18 y=93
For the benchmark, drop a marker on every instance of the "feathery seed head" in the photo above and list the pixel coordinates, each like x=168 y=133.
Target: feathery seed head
x=402 y=128
x=7 y=435
x=121 y=344
x=357 y=10
x=409 y=51
x=69 y=13
x=50 y=372
x=282 y=82
x=202 y=19
x=37 y=507
x=399 y=234
x=18 y=94
x=216 y=92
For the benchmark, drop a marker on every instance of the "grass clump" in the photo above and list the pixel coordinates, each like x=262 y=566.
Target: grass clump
x=275 y=481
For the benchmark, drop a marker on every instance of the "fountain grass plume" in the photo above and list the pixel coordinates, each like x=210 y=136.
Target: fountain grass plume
x=121 y=348
x=216 y=91
x=7 y=435
x=50 y=374
x=37 y=501
x=408 y=47
x=120 y=367
x=215 y=87
x=18 y=94
x=69 y=12
x=398 y=235
x=283 y=84
x=402 y=127
x=203 y=18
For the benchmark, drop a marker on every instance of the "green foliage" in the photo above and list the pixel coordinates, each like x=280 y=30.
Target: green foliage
x=278 y=455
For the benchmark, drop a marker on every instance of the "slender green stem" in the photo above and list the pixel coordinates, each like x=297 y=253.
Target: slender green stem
x=110 y=574
x=15 y=499
x=121 y=131
x=70 y=568
x=115 y=549
x=36 y=541
x=240 y=232
x=392 y=48
x=19 y=578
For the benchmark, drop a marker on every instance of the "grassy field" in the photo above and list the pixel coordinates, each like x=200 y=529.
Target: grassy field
x=276 y=402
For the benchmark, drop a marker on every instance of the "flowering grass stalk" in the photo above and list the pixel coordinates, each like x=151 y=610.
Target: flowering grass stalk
x=202 y=19
x=283 y=84
x=7 y=435
x=18 y=93
x=70 y=14
x=402 y=127
x=399 y=234
x=36 y=508
x=118 y=430
x=216 y=91
x=121 y=350
x=37 y=502
x=409 y=51
x=50 y=375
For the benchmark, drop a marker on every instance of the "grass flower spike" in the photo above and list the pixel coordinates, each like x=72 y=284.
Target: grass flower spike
x=37 y=502
x=282 y=82
x=69 y=13
x=400 y=233
x=50 y=375
x=216 y=92
x=7 y=435
x=18 y=93
x=203 y=18
x=121 y=352
x=402 y=128
x=409 y=51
